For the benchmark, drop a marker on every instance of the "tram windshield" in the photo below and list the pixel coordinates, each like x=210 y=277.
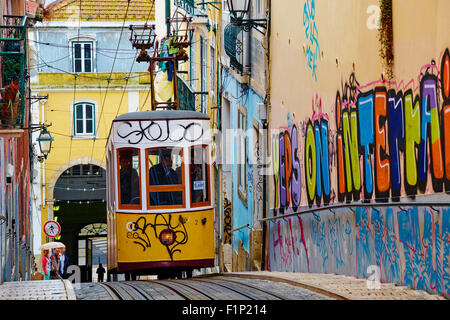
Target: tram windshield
x=165 y=177
x=199 y=171
x=129 y=176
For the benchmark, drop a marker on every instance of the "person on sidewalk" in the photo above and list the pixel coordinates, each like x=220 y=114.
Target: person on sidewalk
x=63 y=263
x=46 y=265
x=54 y=260
x=100 y=272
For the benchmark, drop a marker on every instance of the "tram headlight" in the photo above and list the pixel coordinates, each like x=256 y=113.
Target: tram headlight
x=167 y=237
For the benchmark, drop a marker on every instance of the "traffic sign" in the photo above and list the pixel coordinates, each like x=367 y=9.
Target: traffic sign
x=52 y=228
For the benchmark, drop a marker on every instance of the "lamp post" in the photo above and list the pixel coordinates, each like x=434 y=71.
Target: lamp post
x=238 y=10
x=45 y=143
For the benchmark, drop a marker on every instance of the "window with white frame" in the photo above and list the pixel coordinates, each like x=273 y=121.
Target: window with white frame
x=84 y=119
x=82 y=56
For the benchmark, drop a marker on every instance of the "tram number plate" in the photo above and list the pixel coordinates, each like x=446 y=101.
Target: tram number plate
x=199 y=185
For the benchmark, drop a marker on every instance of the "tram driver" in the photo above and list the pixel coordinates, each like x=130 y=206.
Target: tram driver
x=163 y=174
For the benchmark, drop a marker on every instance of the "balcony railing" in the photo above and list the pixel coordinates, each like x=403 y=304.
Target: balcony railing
x=190 y=7
x=13 y=65
x=233 y=46
x=185 y=95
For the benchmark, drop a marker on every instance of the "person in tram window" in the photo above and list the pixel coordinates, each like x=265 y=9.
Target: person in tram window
x=129 y=179
x=163 y=174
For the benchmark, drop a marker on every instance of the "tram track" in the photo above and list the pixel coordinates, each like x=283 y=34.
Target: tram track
x=210 y=287
x=237 y=285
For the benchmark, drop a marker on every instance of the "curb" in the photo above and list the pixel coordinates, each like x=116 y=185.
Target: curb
x=70 y=292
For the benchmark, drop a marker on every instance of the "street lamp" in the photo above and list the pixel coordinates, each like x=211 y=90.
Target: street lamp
x=45 y=143
x=238 y=10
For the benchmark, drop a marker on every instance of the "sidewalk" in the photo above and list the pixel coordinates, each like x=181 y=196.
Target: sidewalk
x=342 y=287
x=37 y=290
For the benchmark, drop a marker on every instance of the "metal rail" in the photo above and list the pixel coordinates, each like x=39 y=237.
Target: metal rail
x=237 y=284
x=360 y=204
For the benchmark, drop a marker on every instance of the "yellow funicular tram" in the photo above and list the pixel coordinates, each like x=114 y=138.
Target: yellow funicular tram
x=159 y=201
x=159 y=204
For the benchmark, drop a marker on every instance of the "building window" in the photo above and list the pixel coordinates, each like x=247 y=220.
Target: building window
x=83 y=56
x=84 y=119
x=242 y=153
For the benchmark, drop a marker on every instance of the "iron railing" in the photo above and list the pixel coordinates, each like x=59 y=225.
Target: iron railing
x=233 y=46
x=185 y=95
x=13 y=64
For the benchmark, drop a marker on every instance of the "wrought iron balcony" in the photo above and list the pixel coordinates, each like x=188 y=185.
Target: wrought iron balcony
x=13 y=65
x=233 y=46
x=185 y=95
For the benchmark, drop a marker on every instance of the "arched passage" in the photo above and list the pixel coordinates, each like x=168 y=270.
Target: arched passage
x=79 y=195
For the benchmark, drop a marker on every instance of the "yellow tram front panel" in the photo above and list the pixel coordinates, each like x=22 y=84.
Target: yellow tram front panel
x=165 y=237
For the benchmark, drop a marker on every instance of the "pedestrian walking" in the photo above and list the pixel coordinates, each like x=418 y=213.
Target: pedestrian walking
x=54 y=260
x=100 y=272
x=46 y=264
x=63 y=263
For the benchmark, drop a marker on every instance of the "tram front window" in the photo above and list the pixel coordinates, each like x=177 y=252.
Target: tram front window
x=199 y=170
x=129 y=176
x=165 y=176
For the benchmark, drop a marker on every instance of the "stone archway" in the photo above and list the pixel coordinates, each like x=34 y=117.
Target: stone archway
x=57 y=174
x=77 y=192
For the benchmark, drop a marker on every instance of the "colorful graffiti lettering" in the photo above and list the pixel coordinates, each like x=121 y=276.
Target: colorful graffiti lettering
x=312 y=34
x=287 y=174
x=317 y=162
x=383 y=124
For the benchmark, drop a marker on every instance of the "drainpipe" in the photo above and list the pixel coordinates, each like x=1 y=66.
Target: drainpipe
x=247 y=47
x=265 y=128
x=168 y=16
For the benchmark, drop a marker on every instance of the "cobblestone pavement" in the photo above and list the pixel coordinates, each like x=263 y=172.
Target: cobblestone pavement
x=37 y=290
x=346 y=287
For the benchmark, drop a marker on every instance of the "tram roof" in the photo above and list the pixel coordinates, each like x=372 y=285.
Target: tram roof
x=162 y=115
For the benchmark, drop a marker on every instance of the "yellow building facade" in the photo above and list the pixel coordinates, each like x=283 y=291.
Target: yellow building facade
x=86 y=74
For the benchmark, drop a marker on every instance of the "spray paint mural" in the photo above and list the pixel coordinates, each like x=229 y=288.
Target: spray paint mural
x=382 y=141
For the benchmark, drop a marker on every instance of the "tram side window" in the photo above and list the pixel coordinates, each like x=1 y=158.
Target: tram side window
x=165 y=169
x=129 y=177
x=199 y=171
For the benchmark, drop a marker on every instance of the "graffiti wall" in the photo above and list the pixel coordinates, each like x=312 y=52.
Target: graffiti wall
x=409 y=245
x=382 y=141
x=390 y=140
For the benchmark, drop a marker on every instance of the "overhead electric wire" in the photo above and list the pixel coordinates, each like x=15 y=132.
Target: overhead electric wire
x=124 y=89
x=110 y=74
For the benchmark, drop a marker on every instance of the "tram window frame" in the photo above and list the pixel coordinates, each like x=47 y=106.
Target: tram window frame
x=120 y=204
x=208 y=173
x=166 y=188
